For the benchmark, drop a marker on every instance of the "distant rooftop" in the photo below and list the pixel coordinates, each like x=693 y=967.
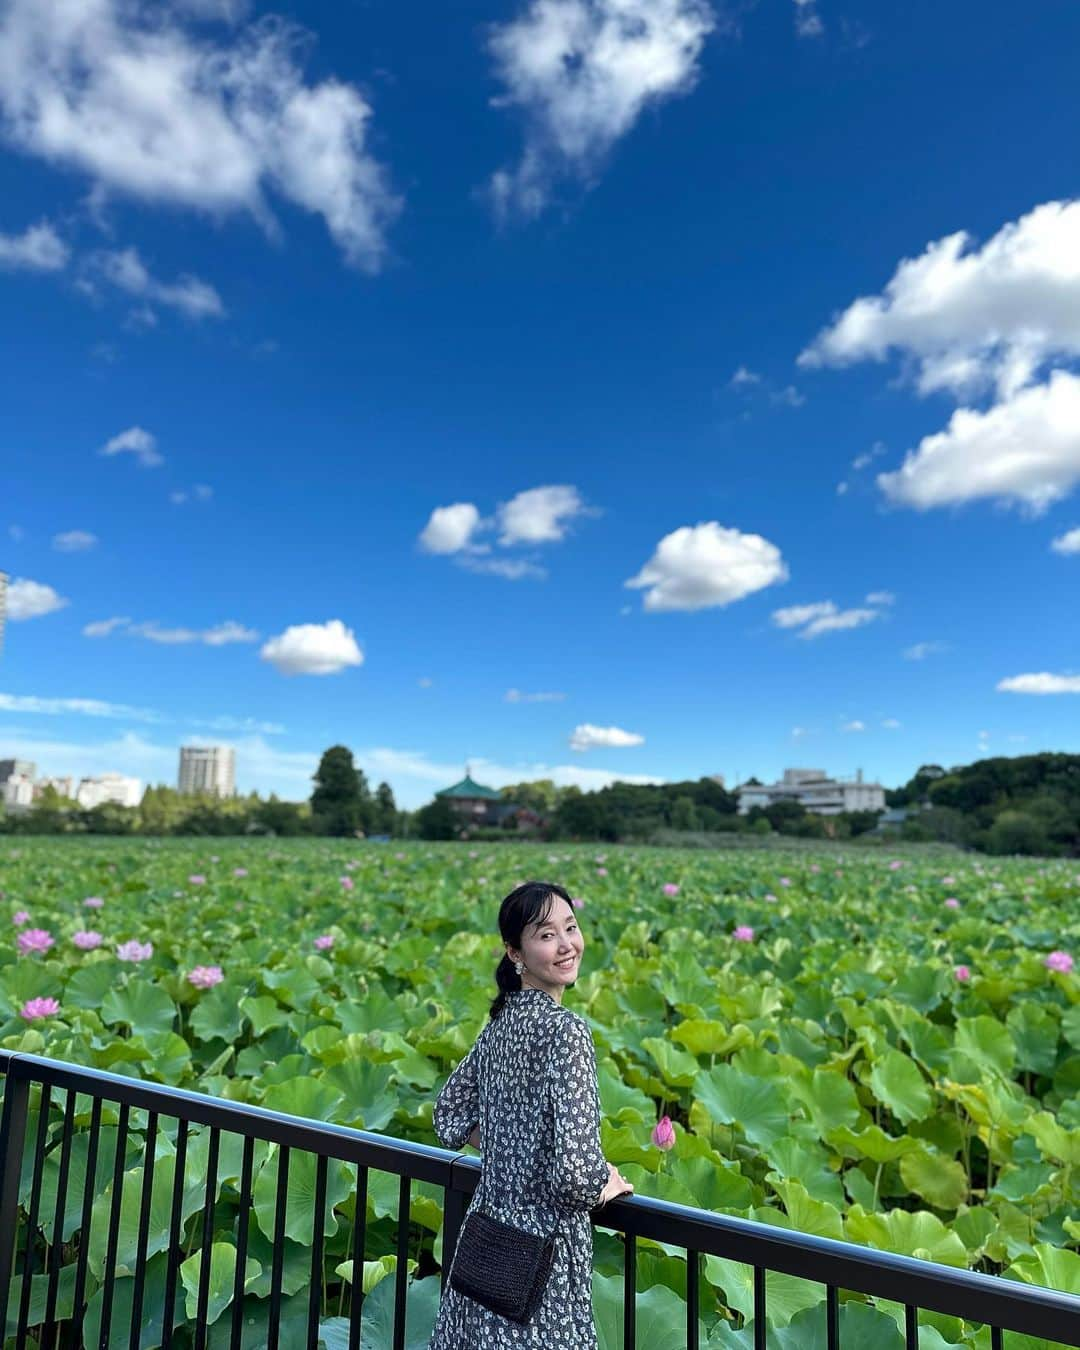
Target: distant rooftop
x=468 y=787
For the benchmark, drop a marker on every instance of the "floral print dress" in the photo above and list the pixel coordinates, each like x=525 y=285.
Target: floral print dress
x=530 y=1083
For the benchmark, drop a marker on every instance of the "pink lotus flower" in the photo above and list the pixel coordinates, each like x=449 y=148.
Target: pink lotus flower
x=35 y=940
x=240 y=872
x=135 y=950
x=87 y=939
x=785 y=881
x=771 y=898
x=347 y=883
x=962 y=973
x=34 y=1008
x=205 y=977
x=324 y=942
x=670 y=888
x=952 y=903
x=663 y=1134
x=814 y=867
x=576 y=903
x=196 y=879
x=400 y=857
x=895 y=865
x=601 y=871
x=93 y=902
x=743 y=933
x=20 y=917
x=1059 y=961
x=948 y=881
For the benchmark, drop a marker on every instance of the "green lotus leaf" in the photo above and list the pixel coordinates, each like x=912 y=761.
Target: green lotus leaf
x=714 y=1185
x=941 y=1181
x=222 y=1279
x=985 y=1043
x=911 y=1233
x=364 y=1098
x=140 y=1005
x=829 y=1099
x=861 y=1327
x=660 y=1316
x=1053 y=1140
x=218 y=1016
x=785 y=1295
x=676 y=1066
x=702 y=1036
x=808 y=1162
x=300 y=1203
x=921 y=986
x=898 y=1084
x=1035 y=1031
x=618 y=1100
x=421 y=1308
x=973 y=1227
x=872 y=1143
x=807 y=1214
x=1052 y=1267
x=89 y=985
x=734 y=1098
x=1070 y=1026
x=264 y=1013
x=311 y=1097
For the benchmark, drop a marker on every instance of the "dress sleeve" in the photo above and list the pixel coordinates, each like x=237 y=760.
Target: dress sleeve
x=580 y=1169
x=457 y=1107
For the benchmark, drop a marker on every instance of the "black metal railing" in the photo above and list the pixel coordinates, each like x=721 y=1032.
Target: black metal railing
x=77 y=1303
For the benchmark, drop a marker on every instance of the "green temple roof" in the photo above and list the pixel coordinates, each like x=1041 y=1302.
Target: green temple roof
x=468 y=788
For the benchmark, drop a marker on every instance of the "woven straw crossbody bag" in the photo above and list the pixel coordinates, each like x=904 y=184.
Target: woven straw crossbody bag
x=502 y=1267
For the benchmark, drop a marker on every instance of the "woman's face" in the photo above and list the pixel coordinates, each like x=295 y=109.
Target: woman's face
x=551 y=949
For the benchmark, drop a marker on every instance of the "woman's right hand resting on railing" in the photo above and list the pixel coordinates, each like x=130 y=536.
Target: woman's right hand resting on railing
x=616 y=1185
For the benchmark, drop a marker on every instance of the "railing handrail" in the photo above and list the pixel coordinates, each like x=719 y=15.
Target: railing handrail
x=953 y=1290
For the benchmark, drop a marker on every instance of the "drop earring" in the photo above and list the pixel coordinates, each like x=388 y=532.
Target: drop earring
x=519 y=966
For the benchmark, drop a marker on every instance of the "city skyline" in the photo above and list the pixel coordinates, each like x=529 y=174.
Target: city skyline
x=705 y=403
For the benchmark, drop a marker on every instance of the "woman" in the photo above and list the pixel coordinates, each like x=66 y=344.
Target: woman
x=526 y=1094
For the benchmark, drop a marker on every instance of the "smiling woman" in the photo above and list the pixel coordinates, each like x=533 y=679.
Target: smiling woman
x=528 y=1090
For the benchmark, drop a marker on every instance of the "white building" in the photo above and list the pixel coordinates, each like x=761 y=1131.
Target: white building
x=210 y=768
x=11 y=768
x=817 y=792
x=18 y=792
x=109 y=787
x=64 y=787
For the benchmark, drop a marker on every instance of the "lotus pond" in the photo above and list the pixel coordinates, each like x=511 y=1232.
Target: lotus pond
x=879 y=1048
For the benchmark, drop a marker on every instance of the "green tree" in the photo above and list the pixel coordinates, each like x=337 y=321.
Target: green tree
x=338 y=804
x=437 y=820
x=684 y=814
x=384 y=815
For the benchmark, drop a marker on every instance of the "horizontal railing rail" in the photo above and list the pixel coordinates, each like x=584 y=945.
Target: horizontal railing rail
x=988 y=1300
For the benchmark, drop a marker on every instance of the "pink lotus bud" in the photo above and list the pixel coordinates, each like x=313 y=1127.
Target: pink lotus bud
x=962 y=973
x=952 y=903
x=347 y=883
x=601 y=871
x=663 y=1135
x=196 y=879
x=205 y=977
x=240 y=872
x=324 y=942
x=93 y=902
x=670 y=888
x=1059 y=961
x=895 y=865
x=20 y=917
x=743 y=933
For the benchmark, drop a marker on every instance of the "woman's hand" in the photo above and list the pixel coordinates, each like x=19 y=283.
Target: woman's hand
x=616 y=1185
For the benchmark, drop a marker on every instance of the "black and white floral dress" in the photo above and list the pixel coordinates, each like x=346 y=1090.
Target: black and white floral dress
x=530 y=1083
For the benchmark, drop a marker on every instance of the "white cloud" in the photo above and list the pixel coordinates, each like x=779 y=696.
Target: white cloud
x=841 y=621
x=794 y=616
x=1042 y=683
x=38 y=249
x=921 y=650
x=233 y=724
x=516 y=696
x=119 y=90
x=744 y=376
x=425 y=682
x=868 y=456
x=807 y=19
x=588 y=737
x=127 y=271
x=973 y=317
x=450 y=528
x=31 y=599
x=513 y=569
x=881 y=598
x=74 y=541
x=142 y=444
x=854 y=726
x=81 y=707
x=16 y=533
x=1067 y=543
x=583 y=71
x=313 y=649
x=891 y=724
x=1026 y=449
x=540 y=515
x=707 y=564
x=823 y=616
x=797 y=733
x=841 y=489
x=789 y=396
x=104 y=627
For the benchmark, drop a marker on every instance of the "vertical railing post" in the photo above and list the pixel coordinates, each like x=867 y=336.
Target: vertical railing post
x=13 y=1119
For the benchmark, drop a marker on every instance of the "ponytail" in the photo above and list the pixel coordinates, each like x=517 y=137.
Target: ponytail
x=507 y=978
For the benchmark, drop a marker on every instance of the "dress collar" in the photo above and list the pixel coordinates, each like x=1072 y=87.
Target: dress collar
x=528 y=991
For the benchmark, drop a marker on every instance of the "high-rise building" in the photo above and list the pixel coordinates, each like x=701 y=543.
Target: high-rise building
x=108 y=787
x=17 y=768
x=208 y=768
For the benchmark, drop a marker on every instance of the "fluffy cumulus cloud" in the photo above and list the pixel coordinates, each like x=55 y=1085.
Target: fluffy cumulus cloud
x=159 y=110
x=125 y=269
x=588 y=737
x=972 y=317
x=28 y=599
x=1025 y=449
x=539 y=515
x=450 y=528
x=825 y=616
x=1041 y=683
x=313 y=649
x=138 y=442
x=1067 y=543
x=582 y=71
x=38 y=249
x=708 y=564
x=807 y=19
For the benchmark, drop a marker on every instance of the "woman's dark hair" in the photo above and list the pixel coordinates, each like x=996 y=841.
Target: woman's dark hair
x=524 y=905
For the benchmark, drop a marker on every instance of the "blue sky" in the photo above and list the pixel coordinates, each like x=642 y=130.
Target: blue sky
x=357 y=360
